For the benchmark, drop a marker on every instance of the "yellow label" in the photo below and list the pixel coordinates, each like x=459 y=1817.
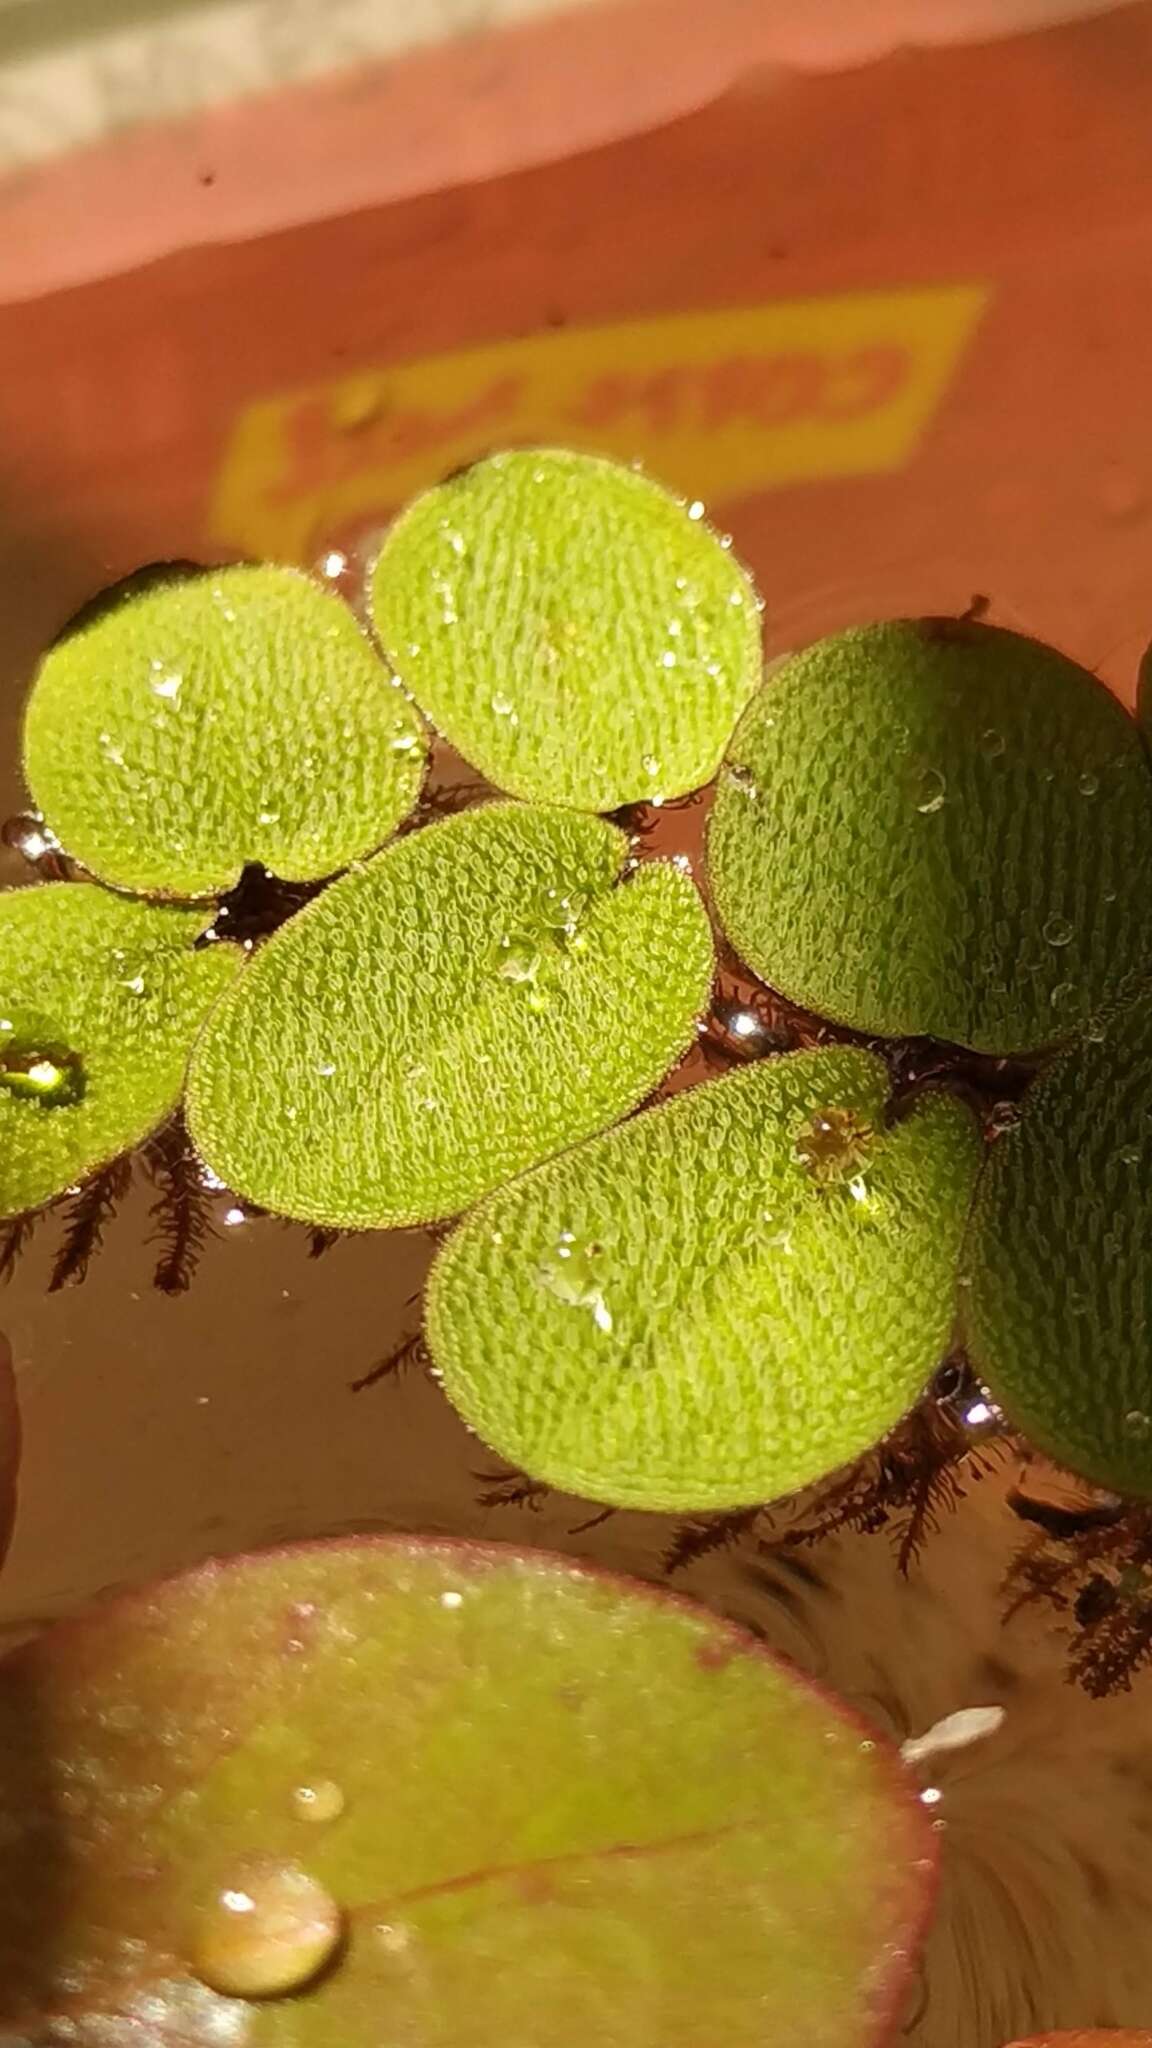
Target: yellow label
x=715 y=404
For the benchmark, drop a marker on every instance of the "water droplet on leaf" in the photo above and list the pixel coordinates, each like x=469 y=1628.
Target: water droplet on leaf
x=571 y=1271
x=1088 y=783
x=38 y=1068
x=320 y=1801
x=1137 y=1425
x=832 y=1147
x=267 y=1933
x=503 y=706
x=992 y=743
x=930 y=792
x=1057 y=930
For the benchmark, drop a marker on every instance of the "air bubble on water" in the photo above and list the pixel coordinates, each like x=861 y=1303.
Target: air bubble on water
x=696 y=509
x=992 y=743
x=321 y=1800
x=956 y=1731
x=931 y=792
x=266 y=1933
x=571 y=1272
x=1058 y=930
x=234 y=1216
x=1063 y=995
x=1088 y=784
x=1138 y=1425
x=333 y=564
x=931 y=1795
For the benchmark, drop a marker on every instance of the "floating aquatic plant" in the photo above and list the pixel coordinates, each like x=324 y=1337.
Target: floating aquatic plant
x=100 y=999
x=292 y=1797
x=930 y=831
x=480 y=996
x=579 y=634
x=206 y=722
x=720 y=1302
x=1058 y=1308
x=937 y=827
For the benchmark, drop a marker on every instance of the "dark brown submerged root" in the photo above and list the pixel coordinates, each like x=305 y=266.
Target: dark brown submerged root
x=182 y=1211
x=906 y=1487
x=1089 y=1559
x=86 y=1216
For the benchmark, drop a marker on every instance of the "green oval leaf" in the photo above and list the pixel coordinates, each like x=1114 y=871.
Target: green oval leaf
x=10 y=1445
x=937 y=827
x=480 y=996
x=720 y=1302
x=545 y=1806
x=1059 y=1309
x=100 y=999
x=574 y=630
x=210 y=721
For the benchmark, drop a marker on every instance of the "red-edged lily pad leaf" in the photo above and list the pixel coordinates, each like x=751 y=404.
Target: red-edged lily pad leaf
x=439 y=1795
x=9 y=1447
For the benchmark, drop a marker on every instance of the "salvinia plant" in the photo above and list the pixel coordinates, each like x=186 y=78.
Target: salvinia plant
x=277 y=960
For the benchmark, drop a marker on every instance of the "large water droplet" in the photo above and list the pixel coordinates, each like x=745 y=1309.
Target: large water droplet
x=571 y=1271
x=267 y=1933
x=38 y=1067
x=321 y=1801
x=1057 y=930
x=930 y=791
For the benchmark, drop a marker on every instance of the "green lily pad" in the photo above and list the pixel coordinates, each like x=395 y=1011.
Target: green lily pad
x=100 y=999
x=210 y=721
x=516 y=1801
x=9 y=1447
x=1059 y=1314
x=578 y=633
x=719 y=1302
x=480 y=996
x=937 y=827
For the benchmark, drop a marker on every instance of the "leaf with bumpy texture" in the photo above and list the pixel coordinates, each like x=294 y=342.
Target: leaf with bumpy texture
x=573 y=629
x=934 y=826
x=720 y=1302
x=480 y=996
x=215 y=720
x=1060 y=1282
x=100 y=999
x=511 y=1800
